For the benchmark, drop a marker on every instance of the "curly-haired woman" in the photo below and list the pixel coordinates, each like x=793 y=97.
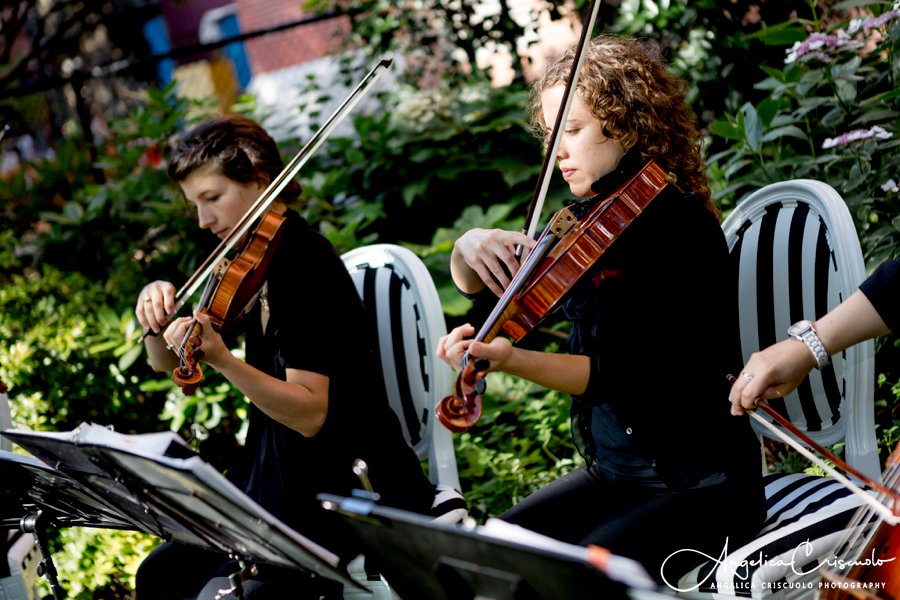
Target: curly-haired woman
x=662 y=470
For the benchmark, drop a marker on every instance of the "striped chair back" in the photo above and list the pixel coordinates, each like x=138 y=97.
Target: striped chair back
x=405 y=309
x=796 y=254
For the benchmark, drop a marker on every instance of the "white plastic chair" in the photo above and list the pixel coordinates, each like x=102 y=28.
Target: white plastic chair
x=796 y=255
x=397 y=290
x=396 y=286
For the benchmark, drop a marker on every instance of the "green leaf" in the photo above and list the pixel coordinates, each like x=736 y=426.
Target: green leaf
x=856 y=3
x=786 y=131
x=767 y=110
x=776 y=74
x=727 y=130
x=752 y=127
x=128 y=359
x=413 y=190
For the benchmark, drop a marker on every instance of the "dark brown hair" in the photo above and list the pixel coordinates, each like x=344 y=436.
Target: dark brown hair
x=239 y=148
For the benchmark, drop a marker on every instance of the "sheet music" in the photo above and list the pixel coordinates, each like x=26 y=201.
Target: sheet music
x=510 y=532
x=163 y=443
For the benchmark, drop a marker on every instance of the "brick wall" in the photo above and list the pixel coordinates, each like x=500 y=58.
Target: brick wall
x=290 y=47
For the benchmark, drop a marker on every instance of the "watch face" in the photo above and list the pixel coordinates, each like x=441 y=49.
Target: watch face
x=799 y=328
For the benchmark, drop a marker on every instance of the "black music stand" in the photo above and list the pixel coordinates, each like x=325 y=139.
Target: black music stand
x=154 y=483
x=36 y=498
x=425 y=560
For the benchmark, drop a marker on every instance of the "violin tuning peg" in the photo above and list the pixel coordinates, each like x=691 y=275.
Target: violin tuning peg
x=198 y=354
x=195 y=341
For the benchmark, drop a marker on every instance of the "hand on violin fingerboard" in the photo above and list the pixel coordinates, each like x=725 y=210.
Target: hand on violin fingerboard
x=486 y=257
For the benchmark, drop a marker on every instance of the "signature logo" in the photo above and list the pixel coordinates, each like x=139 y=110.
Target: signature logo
x=742 y=568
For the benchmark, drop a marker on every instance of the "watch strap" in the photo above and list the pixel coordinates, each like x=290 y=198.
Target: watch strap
x=815 y=345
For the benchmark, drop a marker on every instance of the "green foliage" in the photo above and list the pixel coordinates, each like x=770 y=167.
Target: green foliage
x=709 y=43
x=887 y=406
x=46 y=354
x=819 y=97
x=98 y=563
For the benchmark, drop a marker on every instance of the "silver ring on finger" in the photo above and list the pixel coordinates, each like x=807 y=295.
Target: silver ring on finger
x=747 y=376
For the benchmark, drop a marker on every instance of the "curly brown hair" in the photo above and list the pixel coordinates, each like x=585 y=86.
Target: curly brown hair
x=239 y=147
x=627 y=87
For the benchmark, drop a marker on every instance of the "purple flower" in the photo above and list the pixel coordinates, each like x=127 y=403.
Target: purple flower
x=875 y=133
x=873 y=22
x=815 y=45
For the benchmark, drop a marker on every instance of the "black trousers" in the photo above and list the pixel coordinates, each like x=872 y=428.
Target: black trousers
x=176 y=571
x=669 y=532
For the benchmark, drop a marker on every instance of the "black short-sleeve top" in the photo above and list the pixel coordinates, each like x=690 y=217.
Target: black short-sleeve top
x=317 y=323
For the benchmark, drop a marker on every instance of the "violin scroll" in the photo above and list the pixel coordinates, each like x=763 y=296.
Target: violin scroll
x=188 y=374
x=458 y=412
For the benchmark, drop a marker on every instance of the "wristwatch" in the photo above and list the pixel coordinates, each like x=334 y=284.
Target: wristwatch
x=806 y=333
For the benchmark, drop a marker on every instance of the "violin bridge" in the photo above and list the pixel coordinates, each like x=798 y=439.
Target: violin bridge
x=562 y=222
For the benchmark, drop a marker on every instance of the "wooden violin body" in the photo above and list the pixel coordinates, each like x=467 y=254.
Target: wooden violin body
x=567 y=249
x=229 y=293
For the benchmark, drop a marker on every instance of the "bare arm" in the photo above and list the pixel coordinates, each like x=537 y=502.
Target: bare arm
x=779 y=369
x=300 y=402
x=566 y=373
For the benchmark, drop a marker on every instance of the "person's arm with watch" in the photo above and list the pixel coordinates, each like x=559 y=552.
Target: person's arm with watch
x=779 y=369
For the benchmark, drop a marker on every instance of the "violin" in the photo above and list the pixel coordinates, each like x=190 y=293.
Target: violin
x=231 y=285
x=567 y=249
x=229 y=293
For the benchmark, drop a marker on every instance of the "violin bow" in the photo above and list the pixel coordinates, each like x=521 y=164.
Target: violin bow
x=891 y=515
x=277 y=185
x=540 y=191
